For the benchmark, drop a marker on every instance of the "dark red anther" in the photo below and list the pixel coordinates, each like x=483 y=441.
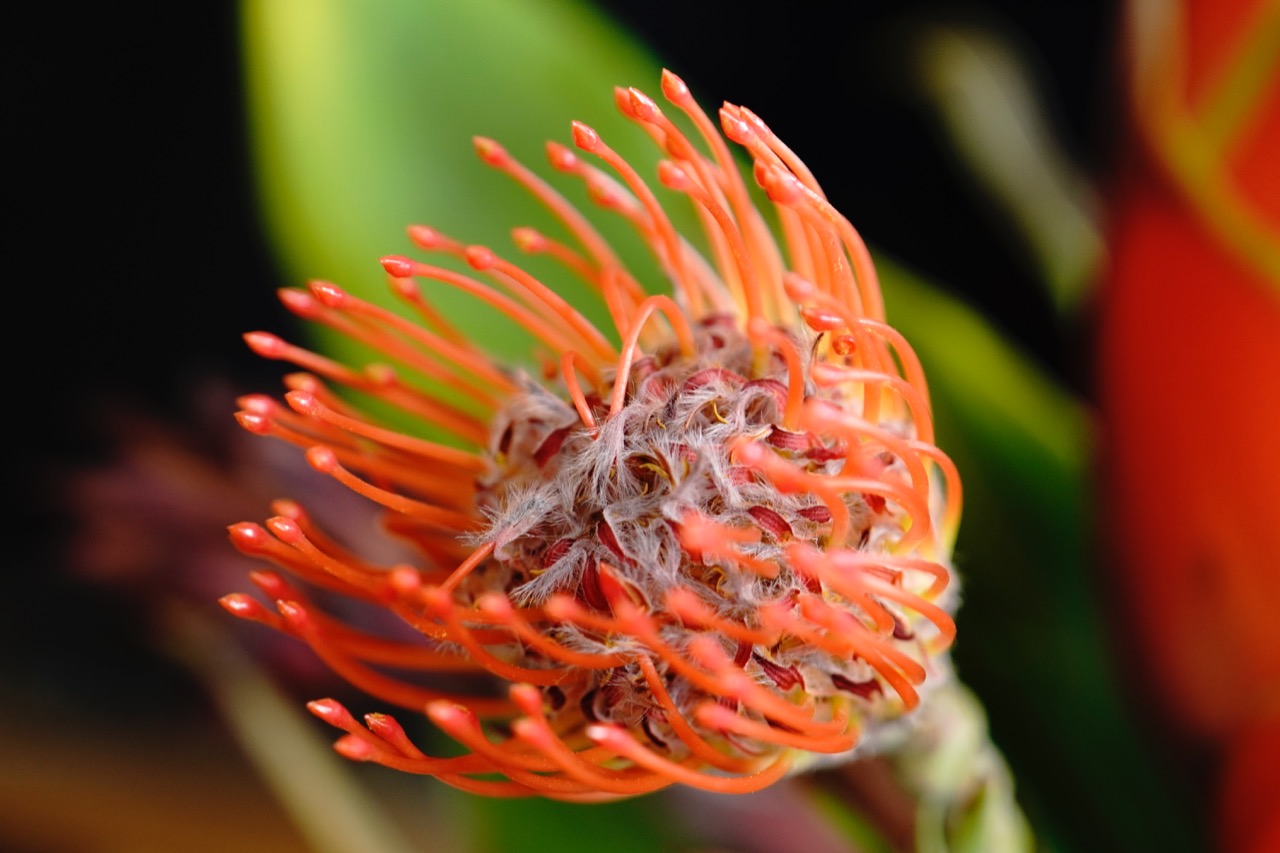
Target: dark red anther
x=557 y=550
x=874 y=502
x=822 y=453
x=555 y=697
x=901 y=631
x=607 y=538
x=742 y=654
x=774 y=387
x=865 y=689
x=818 y=514
x=712 y=374
x=785 y=439
x=589 y=591
x=551 y=446
x=785 y=677
x=770 y=521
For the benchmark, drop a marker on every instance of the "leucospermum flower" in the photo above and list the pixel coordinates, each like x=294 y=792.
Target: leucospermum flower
x=710 y=550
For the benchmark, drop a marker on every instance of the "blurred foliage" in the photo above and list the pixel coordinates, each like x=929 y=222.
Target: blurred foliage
x=362 y=115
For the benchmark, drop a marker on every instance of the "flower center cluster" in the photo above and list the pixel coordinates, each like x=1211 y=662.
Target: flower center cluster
x=606 y=515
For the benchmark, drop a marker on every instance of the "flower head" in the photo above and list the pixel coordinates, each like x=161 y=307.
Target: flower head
x=706 y=551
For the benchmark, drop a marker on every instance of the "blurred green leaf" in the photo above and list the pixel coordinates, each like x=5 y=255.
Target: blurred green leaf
x=1032 y=643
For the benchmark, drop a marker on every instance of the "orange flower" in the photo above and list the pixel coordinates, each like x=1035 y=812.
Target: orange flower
x=709 y=551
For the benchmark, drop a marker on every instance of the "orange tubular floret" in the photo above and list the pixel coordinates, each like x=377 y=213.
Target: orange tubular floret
x=550 y=335
x=324 y=460
x=716 y=716
x=443 y=608
x=673 y=177
x=690 y=738
x=567 y=363
x=538 y=293
x=628 y=747
x=827 y=374
x=402 y=694
x=511 y=757
x=759 y=329
x=495 y=155
x=711 y=539
x=368 y=331
x=588 y=140
x=679 y=323
x=683 y=603
x=311 y=406
x=759 y=239
x=450 y=354
x=499 y=606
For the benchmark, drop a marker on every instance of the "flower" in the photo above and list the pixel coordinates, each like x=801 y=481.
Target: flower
x=711 y=553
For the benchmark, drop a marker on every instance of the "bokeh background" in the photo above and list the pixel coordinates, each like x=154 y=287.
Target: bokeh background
x=160 y=194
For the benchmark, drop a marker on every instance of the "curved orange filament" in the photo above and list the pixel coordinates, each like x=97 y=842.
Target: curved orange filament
x=567 y=363
x=628 y=747
x=679 y=324
x=690 y=738
x=717 y=716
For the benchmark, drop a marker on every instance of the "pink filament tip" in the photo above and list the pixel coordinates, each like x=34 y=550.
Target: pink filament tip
x=675 y=90
x=426 y=237
x=285 y=529
x=585 y=137
x=248 y=538
x=354 y=749
x=673 y=177
x=302 y=402
x=643 y=107
x=480 y=258
x=265 y=344
x=528 y=240
x=323 y=459
x=332 y=712
x=299 y=302
x=329 y=294
x=294 y=613
x=561 y=158
x=622 y=99
x=271 y=584
x=490 y=151
x=734 y=127
x=397 y=266
x=239 y=604
x=527 y=698
x=254 y=423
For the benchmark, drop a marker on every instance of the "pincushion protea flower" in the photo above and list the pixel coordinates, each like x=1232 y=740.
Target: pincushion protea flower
x=708 y=552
